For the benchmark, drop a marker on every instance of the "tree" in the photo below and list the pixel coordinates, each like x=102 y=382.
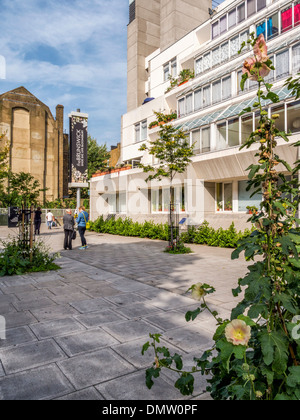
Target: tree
x=97 y=156
x=173 y=151
x=4 y=152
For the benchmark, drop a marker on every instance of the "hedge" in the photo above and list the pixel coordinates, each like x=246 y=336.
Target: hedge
x=204 y=234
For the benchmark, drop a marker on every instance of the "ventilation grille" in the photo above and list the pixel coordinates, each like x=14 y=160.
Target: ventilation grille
x=131 y=11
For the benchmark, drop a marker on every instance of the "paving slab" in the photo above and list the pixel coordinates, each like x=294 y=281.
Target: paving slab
x=53 y=312
x=129 y=330
x=38 y=384
x=56 y=328
x=27 y=356
x=89 y=394
x=17 y=336
x=85 y=341
x=94 y=368
x=96 y=319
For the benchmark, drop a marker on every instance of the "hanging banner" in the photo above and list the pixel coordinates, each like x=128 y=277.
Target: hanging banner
x=78 y=149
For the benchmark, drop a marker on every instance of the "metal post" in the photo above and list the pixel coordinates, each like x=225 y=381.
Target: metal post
x=78 y=198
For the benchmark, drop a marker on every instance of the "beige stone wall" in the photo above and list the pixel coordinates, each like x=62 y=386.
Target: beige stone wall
x=36 y=139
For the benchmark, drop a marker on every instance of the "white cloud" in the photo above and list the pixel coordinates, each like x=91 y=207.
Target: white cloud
x=69 y=52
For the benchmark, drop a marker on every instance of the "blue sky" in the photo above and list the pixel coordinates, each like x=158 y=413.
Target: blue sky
x=69 y=52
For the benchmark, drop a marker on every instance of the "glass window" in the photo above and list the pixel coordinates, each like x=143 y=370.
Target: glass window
x=224 y=52
x=219 y=196
x=244 y=38
x=215 y=30
x=216 y=92
x=286 y=19
x=174 y=67
x=231 y=18
x=246 y=127
x=215 y=57
x=293 y=117
x=165 y=199
x=154 y=200
x=226 y=87
x=221 y=136
x=181 y=107
x=206 y=96
x=296 y=57
x=234 y=46
x=196 y=141
x=199 y=66
x=166 y=72
x=244 y=197
x=241 y=13
x=282 y=64
x=223 y=24
x=271 y=75
x=280 y=123
x=261 y=4
x=189 y=103
x=206 y=62
x=205 y=139
x=137 y=128
x=251 y=7
x=198 y=99
x=144 y=130
x=122 y=202
x=233 y=132
x=297 y=13
x=261 y=28
x=272 y=26
x=228 y=197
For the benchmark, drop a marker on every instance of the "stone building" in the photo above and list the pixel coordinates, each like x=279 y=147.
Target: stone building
x=37 y=141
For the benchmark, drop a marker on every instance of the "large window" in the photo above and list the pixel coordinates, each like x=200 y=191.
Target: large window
x=160 y=199
x=224 y=196
x=201 y=140
x=282 y=64
x=170 y=69
x=244 y=197
x=293 y=117
x=296 y=58
x=140 y=131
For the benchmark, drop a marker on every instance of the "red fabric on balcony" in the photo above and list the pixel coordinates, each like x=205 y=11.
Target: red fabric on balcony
x=286 y=20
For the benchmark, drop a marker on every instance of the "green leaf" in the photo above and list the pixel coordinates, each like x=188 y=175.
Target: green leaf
x=151 y=373
x=185 y=384
x=275 y=350
x=145 y=347
x=293 y=379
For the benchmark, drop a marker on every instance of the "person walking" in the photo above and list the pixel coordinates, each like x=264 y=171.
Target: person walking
x=49 y=218
x=81 y=221
x=69 y=223
x=37 y=221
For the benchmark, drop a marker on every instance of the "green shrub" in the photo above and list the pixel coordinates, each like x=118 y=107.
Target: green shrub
x=204 y=234
x=15 y=258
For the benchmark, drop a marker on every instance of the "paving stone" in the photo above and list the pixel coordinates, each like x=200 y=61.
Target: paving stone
x=89 y=394
x=92 y=305
x=27 y=356
x=5 y=308
x=137 y=310
x=126 y=298
x=69 y=297
x=18 y=289
x=38 y=384
x=34 y=304
x=85 y=341
x=133 y=387
x=16 y=336
x=1 y=374
x=190 y=339
x=94 y=368
x=54 y=311
x=130 y=330
x=96 y=319
x=55 y=328
x=16 y=319
x=167 y=320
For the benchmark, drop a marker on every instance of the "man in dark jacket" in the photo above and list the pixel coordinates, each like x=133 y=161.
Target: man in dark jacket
x=69 y=223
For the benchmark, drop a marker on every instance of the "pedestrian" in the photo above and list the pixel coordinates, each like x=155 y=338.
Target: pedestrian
x=81 y=221
x=49 y=218
x=69 y=223
x=37 y=221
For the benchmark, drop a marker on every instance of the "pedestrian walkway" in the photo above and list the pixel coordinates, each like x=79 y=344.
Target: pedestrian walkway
x=77 y=333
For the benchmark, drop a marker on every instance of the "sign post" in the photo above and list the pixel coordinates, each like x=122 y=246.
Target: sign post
x=78 y=174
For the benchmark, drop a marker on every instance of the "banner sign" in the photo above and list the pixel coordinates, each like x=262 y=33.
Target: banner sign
x=78 y=147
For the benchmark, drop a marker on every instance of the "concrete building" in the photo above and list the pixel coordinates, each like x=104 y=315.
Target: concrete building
x=208 y=107
x=37 y=141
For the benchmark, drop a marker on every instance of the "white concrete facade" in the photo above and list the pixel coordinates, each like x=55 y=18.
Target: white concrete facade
x=208 y=106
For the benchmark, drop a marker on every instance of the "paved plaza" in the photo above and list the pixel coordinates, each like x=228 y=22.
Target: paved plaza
x=77 y=333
